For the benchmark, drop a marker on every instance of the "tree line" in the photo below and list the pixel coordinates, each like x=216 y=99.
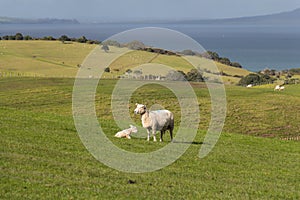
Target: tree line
x=63 y=38
x=214 y=56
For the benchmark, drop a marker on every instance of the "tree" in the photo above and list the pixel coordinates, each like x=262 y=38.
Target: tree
x=82 y=39
x=6 y=37
x=64 y=38
x=225 y=61
x=236 y=64
x=105 y=48
x=27 y=37
x=176 y=76
x=256 y=79
x=188 y=52
x=107 y=69
x=19 y=36
x=195 y=75
x=111 y=43
x=135 y=45
x=213 y=55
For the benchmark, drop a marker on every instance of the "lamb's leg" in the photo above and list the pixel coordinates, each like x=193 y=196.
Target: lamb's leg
x=154 y=135
x=148 y=137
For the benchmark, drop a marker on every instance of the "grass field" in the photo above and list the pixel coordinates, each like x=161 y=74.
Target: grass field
x=42 y=58
x=42 y=156
x=57 y=59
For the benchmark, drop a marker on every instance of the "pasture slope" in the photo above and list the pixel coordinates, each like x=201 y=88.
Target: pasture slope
x=42 y=156
x=57 y=59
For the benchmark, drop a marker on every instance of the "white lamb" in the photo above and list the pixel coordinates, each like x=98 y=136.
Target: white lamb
x=126 y=133
x=158 y=120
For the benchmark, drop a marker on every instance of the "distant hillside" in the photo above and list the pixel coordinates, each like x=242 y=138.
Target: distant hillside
x=11 y=20
x=283 y=18
x=289 y=18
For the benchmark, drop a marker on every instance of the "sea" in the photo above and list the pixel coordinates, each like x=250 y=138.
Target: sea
x=255 y=47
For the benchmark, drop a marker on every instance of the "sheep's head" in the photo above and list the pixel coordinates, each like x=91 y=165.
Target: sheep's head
x=140 y=109
x=133 y=129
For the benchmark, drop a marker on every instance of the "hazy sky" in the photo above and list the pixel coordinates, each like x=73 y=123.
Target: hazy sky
x=142 y=9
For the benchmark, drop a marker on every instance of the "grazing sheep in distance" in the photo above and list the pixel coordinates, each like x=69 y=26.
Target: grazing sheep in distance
x=158 y=120
x=279 y=87
x=249 y=86
x=126 y=133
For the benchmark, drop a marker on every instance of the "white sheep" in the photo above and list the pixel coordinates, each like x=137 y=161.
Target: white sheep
x=126 y=133
x=158 y=120
x=249 y=86
x=279 y=88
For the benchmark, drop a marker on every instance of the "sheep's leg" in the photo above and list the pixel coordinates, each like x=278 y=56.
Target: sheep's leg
x=154 y=135
x=171 y=134
x=148 y=137
x=161 y=135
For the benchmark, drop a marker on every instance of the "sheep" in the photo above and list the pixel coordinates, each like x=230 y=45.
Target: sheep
x=279 y=87
x=158 y=120
x=126 y=133
x=249 y=86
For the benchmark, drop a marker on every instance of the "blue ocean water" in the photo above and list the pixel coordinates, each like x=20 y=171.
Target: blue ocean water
x=255 y=47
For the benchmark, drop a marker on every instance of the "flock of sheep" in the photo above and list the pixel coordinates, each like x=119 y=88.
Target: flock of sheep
x=153 y=121
x=277 y=87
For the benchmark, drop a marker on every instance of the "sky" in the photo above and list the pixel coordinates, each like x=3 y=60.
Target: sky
x=116 y=10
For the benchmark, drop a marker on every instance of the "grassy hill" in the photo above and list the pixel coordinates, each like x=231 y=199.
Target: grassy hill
x=56 y=59
x=42 y=58
x=42 y=156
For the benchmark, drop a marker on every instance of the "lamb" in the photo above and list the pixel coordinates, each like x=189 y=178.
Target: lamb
x=279 y=87
x=249 y=86
x=126 y=133
x=158 y=120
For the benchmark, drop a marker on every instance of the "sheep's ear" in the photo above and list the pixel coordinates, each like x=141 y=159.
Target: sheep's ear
x=136 y=104
x=130 y=126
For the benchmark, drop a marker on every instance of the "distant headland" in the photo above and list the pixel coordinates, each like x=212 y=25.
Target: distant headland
x=12 y=20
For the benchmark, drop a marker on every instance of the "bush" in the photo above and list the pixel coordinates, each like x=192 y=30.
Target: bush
x=176 y=76
x=236 y=64
x=195 y=75
x=64 y=38
x=135 y=45
x=256 y=79
x=188 y=52
x=19 y=36
x=225 y=61
x=111 y=43
x=82 y=39
x=107 y=69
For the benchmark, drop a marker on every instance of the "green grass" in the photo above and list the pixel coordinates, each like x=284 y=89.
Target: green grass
x=56 y=59
x=42 y=58
x=42 y=156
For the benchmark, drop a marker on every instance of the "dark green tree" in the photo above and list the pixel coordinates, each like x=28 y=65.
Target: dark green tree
x=19 y=36
x=236 y=64
x=64 y=38
x=225 y=61
x=176 y=76
x=188 y=52
x=213 y=55
x=107 y=69
x=194 y=75
x=6 y=37
x=82 y=39
x=27 y=37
